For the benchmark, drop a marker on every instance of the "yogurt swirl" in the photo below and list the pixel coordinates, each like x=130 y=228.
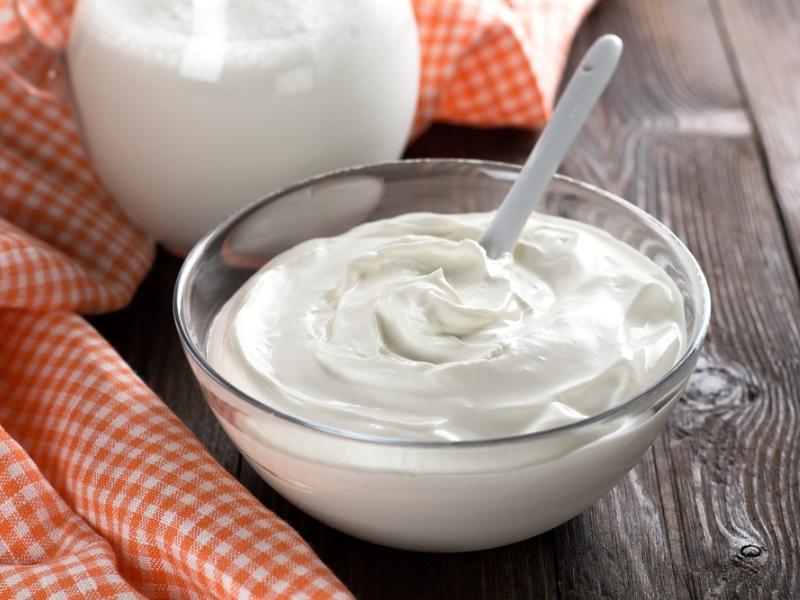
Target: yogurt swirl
x=404 y=328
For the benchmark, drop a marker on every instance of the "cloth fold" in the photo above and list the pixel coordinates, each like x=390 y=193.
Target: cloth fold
x=169 y=518
x=489 y=63
x=104 y=493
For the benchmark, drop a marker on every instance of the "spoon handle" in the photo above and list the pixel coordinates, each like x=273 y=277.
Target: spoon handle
x=584 y=88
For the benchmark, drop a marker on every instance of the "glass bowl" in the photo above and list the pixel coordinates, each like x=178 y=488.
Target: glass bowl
x=430 y=496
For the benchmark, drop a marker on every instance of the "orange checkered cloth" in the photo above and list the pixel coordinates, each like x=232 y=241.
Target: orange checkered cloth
x=104 y=493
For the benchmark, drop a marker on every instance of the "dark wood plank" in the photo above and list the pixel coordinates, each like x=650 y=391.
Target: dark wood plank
x=673 y=135
x=763 y=40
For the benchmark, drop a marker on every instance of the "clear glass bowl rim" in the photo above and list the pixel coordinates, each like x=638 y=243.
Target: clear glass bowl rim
x=659 y=389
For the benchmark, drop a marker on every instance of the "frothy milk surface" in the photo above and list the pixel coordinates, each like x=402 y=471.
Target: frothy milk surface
x=191 y=109
x=254 y=33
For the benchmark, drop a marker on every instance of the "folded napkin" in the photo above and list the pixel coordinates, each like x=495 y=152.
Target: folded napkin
x=104 y=493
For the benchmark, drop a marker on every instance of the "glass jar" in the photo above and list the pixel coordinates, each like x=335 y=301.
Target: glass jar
x=189 y=109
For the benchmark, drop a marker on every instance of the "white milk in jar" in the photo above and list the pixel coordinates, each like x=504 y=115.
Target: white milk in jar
x=191 y=109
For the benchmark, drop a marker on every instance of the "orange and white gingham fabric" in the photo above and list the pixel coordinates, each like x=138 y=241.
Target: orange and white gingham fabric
x=493 y=62
x=104 y=493
x=145 y=509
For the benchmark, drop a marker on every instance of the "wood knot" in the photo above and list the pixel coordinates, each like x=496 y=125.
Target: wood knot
x=708 y=420
x=719 y=386
x=750 y=551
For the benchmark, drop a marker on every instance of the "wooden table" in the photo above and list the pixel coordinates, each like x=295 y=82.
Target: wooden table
x=701 y=127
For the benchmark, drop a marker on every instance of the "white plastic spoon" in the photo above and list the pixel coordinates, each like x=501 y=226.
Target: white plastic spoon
x=577 y=101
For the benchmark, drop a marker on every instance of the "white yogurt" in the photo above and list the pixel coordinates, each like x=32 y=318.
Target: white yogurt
x=190 y=109
x=405 y=329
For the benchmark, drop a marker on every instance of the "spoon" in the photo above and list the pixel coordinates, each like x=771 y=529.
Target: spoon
x=581 y=94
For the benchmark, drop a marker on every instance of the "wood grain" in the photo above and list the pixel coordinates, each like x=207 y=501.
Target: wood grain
x=763 y=42
x=690 y=156
x=713 y=511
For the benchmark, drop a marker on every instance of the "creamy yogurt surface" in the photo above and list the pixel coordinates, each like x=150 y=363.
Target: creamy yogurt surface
x=404 y=328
